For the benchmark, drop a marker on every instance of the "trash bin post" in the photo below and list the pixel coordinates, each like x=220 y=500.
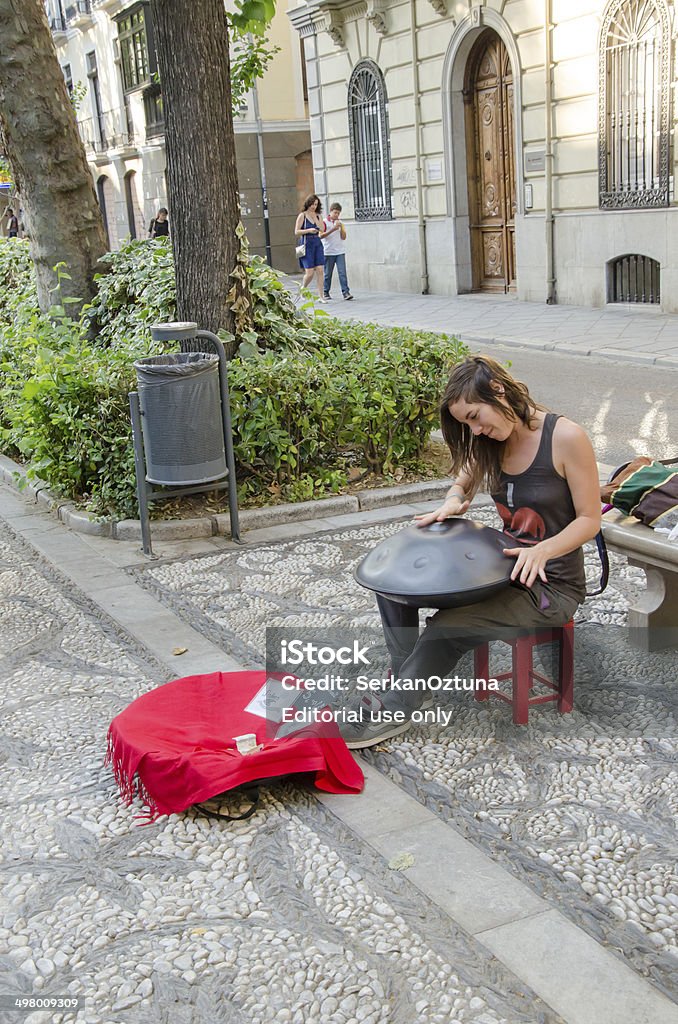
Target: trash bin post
x=143 y=490
x=228 y=432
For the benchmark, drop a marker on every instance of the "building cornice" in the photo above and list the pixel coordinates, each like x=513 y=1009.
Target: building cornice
x=247 y=127
x=332 y=16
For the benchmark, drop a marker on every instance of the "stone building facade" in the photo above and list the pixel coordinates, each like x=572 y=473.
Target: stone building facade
x=505 y=146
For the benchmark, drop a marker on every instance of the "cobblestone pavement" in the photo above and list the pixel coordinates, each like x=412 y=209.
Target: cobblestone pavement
x=487 y=874
x=287 y=917
x=583 y=807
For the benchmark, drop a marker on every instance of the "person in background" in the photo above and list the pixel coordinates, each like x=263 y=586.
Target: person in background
x=12 y=223
x=159 y=226
x=334 y=245
x=310 y=228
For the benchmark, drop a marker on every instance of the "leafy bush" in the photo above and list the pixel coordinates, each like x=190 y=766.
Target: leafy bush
x=18 y=294
x=310 y=397
x=138 y=290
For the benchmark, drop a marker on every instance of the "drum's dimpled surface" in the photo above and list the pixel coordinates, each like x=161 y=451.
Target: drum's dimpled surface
x=443 y=565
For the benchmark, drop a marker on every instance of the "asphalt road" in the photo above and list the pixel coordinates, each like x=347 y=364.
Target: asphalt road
x=628 y=409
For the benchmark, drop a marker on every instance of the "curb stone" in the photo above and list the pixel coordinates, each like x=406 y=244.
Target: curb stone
x=220 y=525
x=379 y=497
x=624 y=356
x=165 y=529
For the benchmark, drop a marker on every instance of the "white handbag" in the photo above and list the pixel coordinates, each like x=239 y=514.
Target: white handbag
x=300 y=250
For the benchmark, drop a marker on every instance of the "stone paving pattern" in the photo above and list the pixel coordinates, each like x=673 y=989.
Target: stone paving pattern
x=287 y=917
x=581 y=806
x=536 y=867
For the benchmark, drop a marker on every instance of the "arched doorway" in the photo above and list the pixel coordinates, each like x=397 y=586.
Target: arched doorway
x=490 y=148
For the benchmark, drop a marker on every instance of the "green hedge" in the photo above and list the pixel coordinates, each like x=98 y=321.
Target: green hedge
x=310 y=396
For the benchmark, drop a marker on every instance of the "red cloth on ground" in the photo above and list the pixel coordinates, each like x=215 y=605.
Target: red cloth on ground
x=174 y=746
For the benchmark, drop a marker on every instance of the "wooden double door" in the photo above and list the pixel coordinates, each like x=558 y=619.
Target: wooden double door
x=491 y=165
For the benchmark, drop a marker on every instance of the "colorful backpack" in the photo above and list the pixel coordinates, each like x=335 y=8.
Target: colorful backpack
x=646 y=490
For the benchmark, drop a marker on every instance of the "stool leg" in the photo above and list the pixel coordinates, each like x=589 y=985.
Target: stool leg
x=566 y=669
x=522 y=678
x=481 y=669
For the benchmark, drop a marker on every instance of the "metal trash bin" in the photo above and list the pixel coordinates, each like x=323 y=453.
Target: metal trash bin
x=181 y=418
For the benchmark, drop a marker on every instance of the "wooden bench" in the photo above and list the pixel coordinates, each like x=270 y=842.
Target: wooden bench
x=653 y=620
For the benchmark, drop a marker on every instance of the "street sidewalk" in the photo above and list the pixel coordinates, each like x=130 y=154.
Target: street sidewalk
x=507 y=952
x=373 y=909
x=638 y=334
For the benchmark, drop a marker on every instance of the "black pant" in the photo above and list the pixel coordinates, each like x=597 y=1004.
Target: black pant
x=451 y=632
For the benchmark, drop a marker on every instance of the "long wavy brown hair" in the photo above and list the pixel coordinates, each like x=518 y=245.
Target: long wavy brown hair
x=309 y=201
x=472 y=381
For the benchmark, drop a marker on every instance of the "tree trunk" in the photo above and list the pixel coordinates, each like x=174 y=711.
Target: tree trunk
x=202 y=182
x=47 y=158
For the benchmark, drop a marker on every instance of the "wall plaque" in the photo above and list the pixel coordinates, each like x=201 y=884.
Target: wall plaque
x=535 y=160
x=434 y=170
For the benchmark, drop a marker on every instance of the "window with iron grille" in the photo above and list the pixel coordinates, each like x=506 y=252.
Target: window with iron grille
x=370 y=151
x=634 y=105
x=134 y=49
x=634 y=278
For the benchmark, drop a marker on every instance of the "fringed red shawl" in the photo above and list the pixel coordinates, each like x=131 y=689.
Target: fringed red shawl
x=175 y=746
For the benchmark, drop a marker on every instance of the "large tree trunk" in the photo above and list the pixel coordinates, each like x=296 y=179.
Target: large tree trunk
x=202 y=181
x=47 y=158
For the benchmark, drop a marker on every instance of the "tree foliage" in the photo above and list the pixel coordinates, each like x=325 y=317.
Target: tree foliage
x=250 y=56
x=311 y=397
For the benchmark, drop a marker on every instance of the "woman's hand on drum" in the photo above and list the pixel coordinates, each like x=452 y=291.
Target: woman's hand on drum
x=530 y=563
x=452 y=506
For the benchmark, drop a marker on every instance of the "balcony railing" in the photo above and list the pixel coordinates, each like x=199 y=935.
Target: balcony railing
x=111 y=131
x=78 y=9
x=57 y=23
x=112 y=6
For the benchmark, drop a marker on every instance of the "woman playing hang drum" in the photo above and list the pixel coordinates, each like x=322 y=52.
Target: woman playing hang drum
x=541 y=471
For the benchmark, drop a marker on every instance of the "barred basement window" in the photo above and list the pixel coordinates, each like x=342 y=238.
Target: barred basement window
x=634 y=101
x=368 y=134
x=633 y=278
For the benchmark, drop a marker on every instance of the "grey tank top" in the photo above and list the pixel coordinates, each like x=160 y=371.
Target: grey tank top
x=537 y=504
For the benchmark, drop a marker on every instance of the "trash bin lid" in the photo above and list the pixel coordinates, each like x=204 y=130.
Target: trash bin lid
x=180 y=330
x=174 y=366
x=444 y=565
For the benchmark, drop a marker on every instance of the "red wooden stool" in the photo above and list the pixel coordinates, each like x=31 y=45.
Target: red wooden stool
x=523 y=675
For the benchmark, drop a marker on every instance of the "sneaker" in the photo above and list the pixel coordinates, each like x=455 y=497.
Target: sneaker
x=427 y=701
x=347 y=297
x=327 y=296
x=374 y=725
x=322 y=299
